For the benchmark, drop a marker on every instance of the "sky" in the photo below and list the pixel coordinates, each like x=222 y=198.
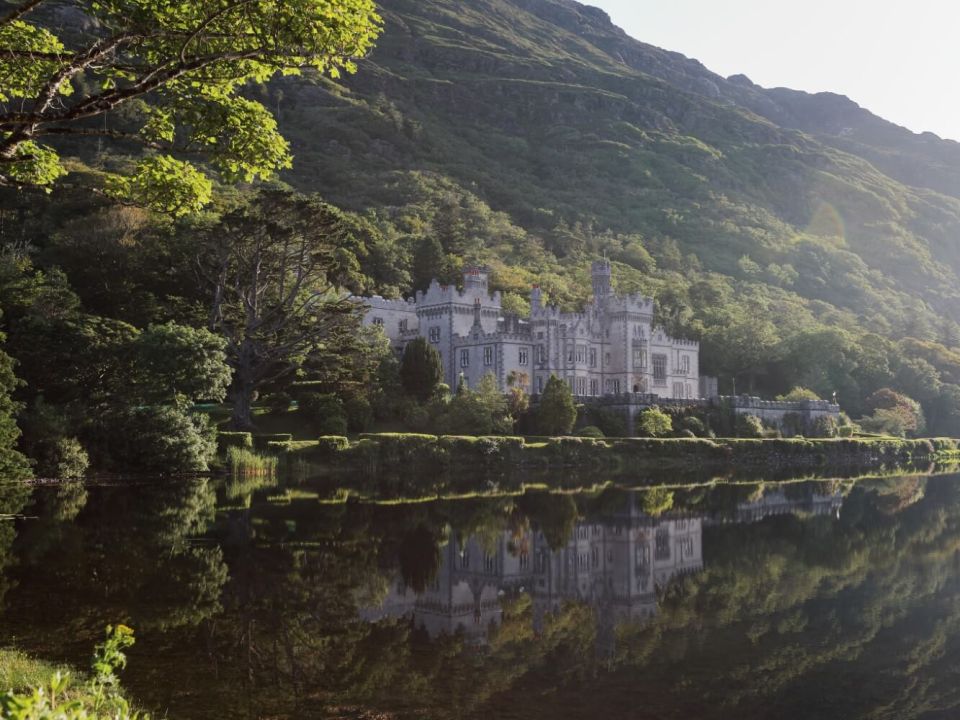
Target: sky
x=899 y=60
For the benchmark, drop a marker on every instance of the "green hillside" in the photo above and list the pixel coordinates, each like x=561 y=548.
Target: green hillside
x=803 y=240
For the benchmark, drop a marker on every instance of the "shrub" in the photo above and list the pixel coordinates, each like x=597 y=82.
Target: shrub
x=324 y=413
x=693 y=425
x=158 y=439
x=359 y=414
x=260 y=441
x=61 y=457
x=421 y=369
x=278 y=401
x=233 y=439
x=611 y=423
x=824 y=426
x=799 y=394
x=590 y=431
x=748 y=426
x=653 y=422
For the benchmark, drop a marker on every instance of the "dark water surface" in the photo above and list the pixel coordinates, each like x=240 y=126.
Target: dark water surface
x=819 y=599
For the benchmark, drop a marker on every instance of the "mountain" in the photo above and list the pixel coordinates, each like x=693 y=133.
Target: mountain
x=549 y=113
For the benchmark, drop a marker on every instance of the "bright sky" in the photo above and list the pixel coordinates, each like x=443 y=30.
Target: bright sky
x=900 y=60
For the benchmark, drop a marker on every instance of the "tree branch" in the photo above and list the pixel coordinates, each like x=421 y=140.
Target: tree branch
x=19 y=12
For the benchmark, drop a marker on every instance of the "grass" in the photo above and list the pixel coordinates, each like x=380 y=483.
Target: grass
x=19 y=672
x=246 y=463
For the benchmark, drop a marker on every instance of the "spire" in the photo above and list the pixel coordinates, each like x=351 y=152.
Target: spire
x=600 y=272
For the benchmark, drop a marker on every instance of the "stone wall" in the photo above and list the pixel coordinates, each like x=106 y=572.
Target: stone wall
x=771 y=412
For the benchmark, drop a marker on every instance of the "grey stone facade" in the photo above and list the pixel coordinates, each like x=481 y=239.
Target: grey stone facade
x=609 y=348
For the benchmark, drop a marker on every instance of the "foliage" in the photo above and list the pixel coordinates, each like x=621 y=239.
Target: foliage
x=797 y=394
x=179 y=72
x=158 y=439
x=748 y=426
x=245 y=463
x=273 y=270
x=893 y=414
x=556 y=413
x=421 y=369
x=324 y=413
x=480 y=411
x=590 y=431
x=98 y=698
x=13 y=465
x=653 y=422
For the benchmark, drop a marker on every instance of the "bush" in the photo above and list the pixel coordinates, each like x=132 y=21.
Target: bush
x=359 y=414
x=824 y=426
x=233 y=439
x=61 y=457
x=653 y=422
x=611 y=423
x=799 y=394
x=694 y=425
x=590 y=431
x=748 y=426
x=556 y=413
x=278 y=401
x=260 y=441
x=324 y=413
x=158 y=439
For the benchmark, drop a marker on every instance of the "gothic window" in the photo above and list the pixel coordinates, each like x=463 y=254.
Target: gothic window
x=489 y=563
x=522 y=356
x=581 y=386
x=541 y=561
x=593 y=357
x=488 y=355
x=685 y=364
x=465 y=358
x=594 y=387
x=678 y=390
x=660 y=368
x=606 y=360
x=581 y=353
x=540 y=384
x=569 y=353
x=434 y=334
x=639 y=358
x=378 y=321
x=403 y=326
x=541 y=354
x=524 y=559
x=465 y=559
x=662 y=550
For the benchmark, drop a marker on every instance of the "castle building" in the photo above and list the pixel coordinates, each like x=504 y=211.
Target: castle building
x=612 y=347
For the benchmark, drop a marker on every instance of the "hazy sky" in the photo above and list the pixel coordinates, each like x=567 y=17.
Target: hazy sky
x=900 y=60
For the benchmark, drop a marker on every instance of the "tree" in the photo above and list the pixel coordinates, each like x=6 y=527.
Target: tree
x=653 y=422
x=482 y=411
x=180 y=68
x=556 y=413
x=274 y=269
x=180 y=363
x=421 y=369
x=428 y=262
x=13 y=465
x=797 y=394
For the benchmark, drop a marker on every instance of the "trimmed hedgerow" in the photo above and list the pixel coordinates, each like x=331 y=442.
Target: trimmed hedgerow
x=233 y=439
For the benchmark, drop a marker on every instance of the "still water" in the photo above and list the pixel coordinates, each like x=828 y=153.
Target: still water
x=824 y=599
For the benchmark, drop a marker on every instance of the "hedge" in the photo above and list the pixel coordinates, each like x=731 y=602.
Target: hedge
x=233 y=439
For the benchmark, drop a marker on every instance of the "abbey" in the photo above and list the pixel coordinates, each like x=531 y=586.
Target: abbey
x=610 y=348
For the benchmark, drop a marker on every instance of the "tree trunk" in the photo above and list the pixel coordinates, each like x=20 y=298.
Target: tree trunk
x=241 y=393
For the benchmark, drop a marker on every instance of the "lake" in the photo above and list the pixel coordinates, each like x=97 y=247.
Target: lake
x=258 y=599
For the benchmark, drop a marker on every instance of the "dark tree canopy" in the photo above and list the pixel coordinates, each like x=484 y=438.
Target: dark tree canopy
x=421 y=370
x=557 y=412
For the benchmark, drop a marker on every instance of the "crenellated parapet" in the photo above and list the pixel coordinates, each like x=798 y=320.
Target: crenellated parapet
x=392 y=305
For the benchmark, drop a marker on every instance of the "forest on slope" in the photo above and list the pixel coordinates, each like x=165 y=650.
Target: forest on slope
x=802 y=240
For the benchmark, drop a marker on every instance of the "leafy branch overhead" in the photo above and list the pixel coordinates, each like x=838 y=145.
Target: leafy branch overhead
x=181 y=68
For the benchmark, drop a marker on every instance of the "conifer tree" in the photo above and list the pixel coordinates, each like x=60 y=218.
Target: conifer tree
x=421 y=369
x=557 y=412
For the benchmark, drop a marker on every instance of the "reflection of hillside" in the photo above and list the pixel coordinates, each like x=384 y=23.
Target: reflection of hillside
x=615 y=562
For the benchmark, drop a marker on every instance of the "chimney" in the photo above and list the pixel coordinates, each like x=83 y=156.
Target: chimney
x=600 y=272
x=535 y=298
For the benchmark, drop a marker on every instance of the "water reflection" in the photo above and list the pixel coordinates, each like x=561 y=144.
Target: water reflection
x=616 y=562
x=754 y=600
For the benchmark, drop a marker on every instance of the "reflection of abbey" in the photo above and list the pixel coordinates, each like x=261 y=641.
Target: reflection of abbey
x=617 y=564
x=612 y=347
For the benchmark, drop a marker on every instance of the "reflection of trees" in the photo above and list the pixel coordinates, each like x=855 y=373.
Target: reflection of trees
x=125 y=556
x=419 y=558
x=14 y=496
